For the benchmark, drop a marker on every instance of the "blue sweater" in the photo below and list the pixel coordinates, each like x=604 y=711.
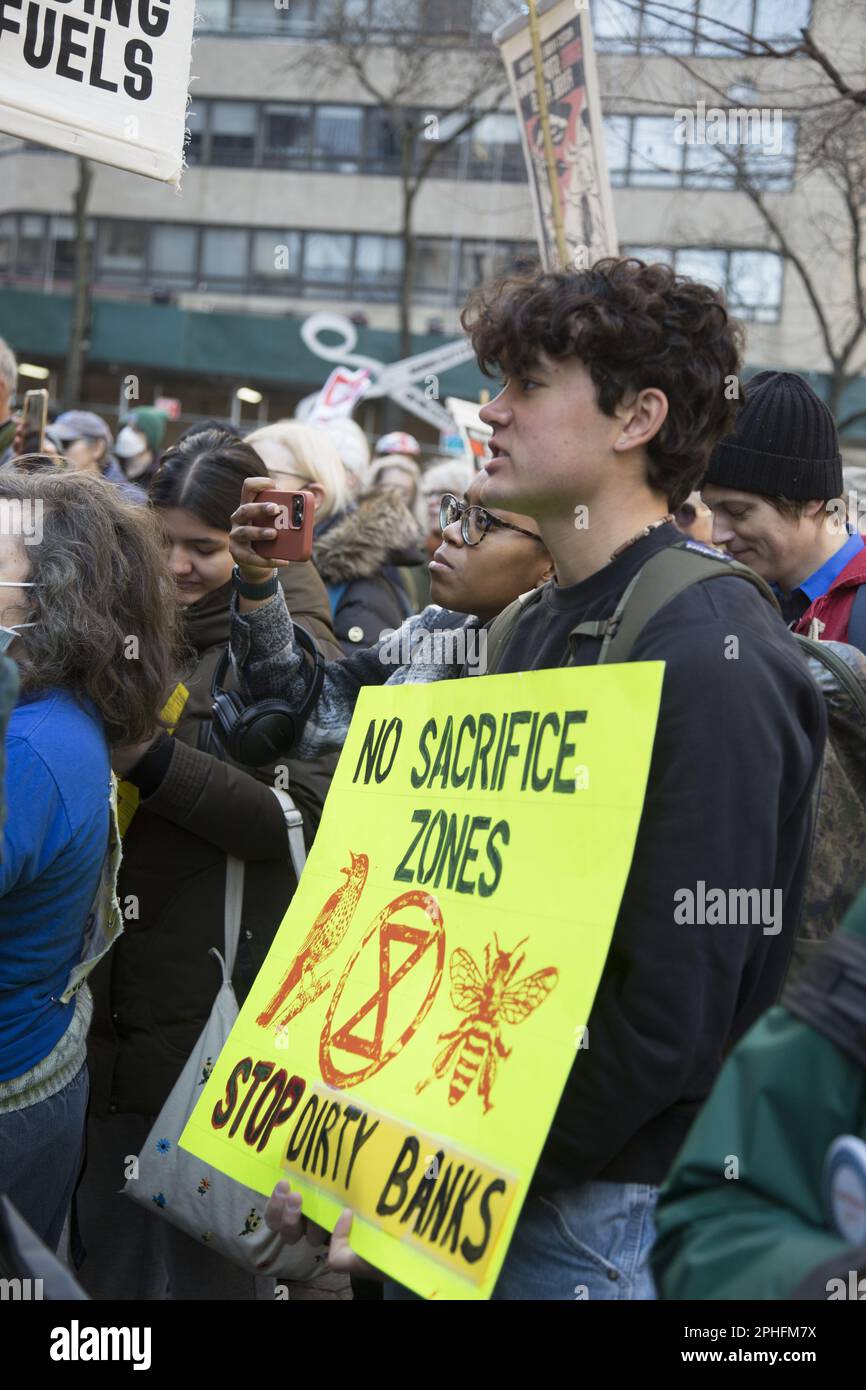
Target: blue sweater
x=54 y=843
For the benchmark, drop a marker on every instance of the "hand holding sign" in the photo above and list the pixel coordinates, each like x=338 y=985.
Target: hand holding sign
x=284 y=1216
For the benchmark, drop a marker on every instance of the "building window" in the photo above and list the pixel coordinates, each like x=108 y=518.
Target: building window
x=696 y=26
x=122 y=250
x=754 y=285
x=337 y=138
x=232 y=132
x=495 y=151
x=751 y=280
x=384 y=143
x=642 y=152
x=276 y=258
x=327 y=258
x=263 y=16
x=213 y=14
x=351 y=139
x=224 y=254
x=378 y=262
x=173 y=254
x=287 y=137
x=7 y=242
x=434 y=269
x=32 y=245
x=481 y=261
x=315 y=18
x=445 y=16
x=62 y=234
x=656 y=162
x=196 y=122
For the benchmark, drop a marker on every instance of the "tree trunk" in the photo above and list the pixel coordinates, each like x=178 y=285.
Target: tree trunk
x=394 y=416
x=407 y=281
x=78 y=344
x=838 y=382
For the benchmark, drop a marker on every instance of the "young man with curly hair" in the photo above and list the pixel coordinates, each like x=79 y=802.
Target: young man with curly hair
x=618 y=382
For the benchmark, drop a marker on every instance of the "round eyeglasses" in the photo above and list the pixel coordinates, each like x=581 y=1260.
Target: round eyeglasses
x=475 y=521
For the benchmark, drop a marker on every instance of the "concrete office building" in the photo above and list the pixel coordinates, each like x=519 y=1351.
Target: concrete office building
x=291 y=203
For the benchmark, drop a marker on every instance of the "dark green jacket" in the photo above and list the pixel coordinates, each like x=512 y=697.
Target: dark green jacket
x=784 y=1095
x=154 y=990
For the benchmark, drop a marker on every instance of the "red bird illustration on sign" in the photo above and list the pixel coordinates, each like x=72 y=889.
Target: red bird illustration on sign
x=323 y=938
x=477 y=1041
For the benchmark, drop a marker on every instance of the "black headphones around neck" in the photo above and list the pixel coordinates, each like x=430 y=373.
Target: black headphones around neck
x=259 y=734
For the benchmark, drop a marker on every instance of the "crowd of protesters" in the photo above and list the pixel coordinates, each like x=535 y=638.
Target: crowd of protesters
x=615 y=442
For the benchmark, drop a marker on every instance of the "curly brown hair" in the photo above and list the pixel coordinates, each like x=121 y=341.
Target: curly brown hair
x=634 y=325
x=101 y=579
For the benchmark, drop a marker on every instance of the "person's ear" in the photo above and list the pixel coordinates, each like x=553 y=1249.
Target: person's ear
x=641 y=420
x=547 y=573
x=101 y=448
x=814 y=509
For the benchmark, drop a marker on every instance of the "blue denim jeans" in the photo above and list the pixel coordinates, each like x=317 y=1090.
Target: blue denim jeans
x=41 y=1149
x=582 y=1243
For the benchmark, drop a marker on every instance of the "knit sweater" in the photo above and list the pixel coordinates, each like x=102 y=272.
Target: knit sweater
x=271 y=666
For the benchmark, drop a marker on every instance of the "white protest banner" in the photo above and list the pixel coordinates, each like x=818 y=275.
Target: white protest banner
x=105 y=79
x=561 y=130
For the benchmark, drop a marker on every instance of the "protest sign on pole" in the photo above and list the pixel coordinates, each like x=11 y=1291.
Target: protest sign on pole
x=551 y=67
x=405 y=1045
x=104 y=79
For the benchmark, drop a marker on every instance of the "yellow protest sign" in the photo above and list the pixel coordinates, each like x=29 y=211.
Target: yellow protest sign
x=404 y=1047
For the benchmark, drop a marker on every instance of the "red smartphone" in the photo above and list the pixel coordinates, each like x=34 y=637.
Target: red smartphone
x=293 y=525
x=35 y=418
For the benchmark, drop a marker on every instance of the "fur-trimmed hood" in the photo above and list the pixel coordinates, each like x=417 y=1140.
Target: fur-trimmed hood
x=356 y=544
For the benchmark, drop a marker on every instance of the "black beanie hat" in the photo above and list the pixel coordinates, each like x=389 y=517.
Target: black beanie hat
x=785 y=443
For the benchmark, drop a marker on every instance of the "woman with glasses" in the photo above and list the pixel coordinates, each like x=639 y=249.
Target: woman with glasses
x=486 y=559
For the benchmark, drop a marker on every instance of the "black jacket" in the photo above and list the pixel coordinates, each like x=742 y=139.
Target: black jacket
x=739 y=742
x=154 y=990
x=358 y=554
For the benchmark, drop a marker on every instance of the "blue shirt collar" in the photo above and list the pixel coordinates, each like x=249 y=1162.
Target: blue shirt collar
x=819 y=582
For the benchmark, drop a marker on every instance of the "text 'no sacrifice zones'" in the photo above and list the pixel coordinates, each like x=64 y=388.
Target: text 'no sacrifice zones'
x=516 y=751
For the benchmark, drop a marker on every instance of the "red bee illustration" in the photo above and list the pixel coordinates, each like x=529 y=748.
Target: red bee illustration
x=489 y=999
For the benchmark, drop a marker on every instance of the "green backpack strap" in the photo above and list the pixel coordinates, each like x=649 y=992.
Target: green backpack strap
x=500 y=631
x=665 y=575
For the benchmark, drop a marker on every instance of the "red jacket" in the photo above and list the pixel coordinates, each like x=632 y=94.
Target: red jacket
x=833 y=609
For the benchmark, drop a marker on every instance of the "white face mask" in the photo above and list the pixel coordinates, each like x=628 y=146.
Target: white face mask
x=8 y=634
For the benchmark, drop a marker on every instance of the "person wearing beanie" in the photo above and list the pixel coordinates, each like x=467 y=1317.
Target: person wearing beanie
x=775 y=489
x=138 y=443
